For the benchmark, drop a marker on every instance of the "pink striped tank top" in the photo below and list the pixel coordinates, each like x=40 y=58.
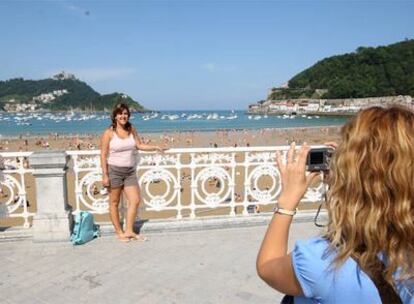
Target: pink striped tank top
x=122 y=151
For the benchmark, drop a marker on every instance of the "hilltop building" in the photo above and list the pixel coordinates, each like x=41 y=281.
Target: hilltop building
x=63 y=76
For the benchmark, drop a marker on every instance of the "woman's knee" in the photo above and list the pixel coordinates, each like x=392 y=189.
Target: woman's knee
x=114 y=200
x=135 y=202
x=114 y=203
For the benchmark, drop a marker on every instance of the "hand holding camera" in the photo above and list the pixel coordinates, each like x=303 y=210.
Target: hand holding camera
x=293 y=177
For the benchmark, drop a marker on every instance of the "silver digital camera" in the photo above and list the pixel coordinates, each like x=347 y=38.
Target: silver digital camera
x=319 y=159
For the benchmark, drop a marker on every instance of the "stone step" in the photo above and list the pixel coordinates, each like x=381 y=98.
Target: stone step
x=175 y=225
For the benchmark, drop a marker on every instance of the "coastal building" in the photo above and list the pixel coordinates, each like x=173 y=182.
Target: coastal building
x=324 y=106
x=34 y=104
x=20 y=107
x=50 y=96
x=44 y=98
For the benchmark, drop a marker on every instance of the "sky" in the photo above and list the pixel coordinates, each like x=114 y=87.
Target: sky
x=188 y=55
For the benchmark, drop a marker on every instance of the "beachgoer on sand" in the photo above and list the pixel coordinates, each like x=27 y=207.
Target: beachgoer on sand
x=119 y=145
x=2 y=168
x=366 y=253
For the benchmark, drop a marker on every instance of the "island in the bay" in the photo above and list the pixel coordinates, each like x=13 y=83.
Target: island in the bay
x=62 y=92
x=342 y=85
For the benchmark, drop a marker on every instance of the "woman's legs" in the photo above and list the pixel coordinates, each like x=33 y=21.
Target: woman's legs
x=114 y=197
x=133 y=196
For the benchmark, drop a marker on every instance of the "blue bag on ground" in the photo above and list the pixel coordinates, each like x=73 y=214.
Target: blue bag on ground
x=85 y=229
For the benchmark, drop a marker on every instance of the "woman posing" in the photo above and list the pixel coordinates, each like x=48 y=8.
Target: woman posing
x=367 y=253
x=118 y=160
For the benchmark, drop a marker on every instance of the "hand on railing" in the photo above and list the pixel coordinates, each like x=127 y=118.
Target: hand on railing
x=161 y=149
x=2 y=165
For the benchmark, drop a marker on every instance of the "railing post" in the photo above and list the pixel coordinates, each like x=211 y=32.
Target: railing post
x=52 y=220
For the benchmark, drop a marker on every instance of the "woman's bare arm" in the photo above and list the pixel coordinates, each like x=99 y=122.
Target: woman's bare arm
x=273 y=263
x=145 y=147
x=106 y=137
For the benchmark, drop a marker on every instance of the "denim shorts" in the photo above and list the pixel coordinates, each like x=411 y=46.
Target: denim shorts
x=122 y=176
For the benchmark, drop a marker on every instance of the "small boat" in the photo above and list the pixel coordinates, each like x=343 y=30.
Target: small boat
x=213 y=116
x=173 y=117
x=231 y=117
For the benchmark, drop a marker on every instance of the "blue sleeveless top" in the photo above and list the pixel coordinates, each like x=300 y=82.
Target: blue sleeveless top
x=348 y=284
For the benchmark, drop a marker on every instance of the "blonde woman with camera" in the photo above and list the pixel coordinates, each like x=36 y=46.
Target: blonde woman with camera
x=366 y=254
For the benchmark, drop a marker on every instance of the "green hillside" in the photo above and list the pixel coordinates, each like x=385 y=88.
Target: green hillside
x=110 y=100
x=70 y=93
x=368 y=72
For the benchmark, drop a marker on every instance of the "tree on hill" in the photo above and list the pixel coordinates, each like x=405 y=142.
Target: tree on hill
x=107 y=102
x=368 y=72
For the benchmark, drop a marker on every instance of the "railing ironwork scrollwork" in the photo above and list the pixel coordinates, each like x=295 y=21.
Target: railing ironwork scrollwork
x=192 y=181
x=13 y=196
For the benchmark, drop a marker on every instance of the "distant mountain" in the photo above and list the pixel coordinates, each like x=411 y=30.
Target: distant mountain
x=368 y=72
x=61 y=93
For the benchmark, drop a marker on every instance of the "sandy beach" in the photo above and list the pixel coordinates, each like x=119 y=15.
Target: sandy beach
x=231 y=138
x=221 y=138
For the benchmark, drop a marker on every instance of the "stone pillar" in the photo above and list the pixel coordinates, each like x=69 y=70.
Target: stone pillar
x=52 y=220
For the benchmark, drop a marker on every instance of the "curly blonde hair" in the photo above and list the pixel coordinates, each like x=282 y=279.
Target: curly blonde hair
x=371 y=197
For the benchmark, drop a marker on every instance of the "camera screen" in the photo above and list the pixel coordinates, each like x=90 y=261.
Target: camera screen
x=316 y=158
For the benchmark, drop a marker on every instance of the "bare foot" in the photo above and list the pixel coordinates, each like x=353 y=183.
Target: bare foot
x=137 y=237
x=122 y=238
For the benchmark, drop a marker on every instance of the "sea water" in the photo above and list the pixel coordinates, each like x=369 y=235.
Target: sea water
x=69 y=123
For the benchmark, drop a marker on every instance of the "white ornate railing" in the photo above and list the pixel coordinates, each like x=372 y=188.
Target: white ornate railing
x=13 y=195
x=216 y=178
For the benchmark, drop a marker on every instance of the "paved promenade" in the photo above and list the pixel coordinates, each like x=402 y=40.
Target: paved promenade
x=210 y=266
